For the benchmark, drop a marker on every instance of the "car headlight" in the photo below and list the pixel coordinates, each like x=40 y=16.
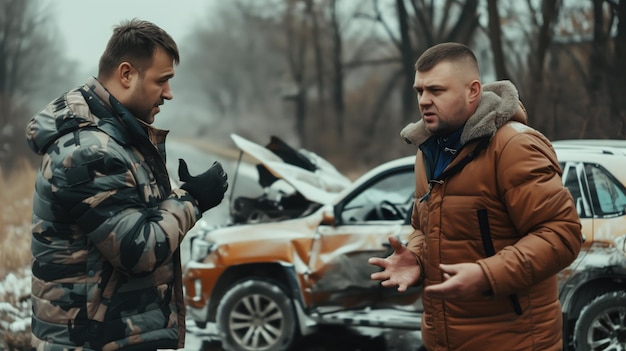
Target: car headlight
x=200 y=248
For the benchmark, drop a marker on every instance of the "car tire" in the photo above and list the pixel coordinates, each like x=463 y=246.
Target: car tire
x=256 y=315
x=602 y=323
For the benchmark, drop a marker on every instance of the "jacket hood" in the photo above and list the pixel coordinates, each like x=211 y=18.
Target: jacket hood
x=88 y=106
x=63 y=115
x=498 y=105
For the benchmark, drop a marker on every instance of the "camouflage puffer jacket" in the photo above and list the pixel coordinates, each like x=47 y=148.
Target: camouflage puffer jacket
x=106 y=229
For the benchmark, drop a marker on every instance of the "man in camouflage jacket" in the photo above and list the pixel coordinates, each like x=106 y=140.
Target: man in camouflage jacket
x=106 y=224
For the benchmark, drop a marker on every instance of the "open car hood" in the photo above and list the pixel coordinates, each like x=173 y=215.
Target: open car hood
x=309 y=174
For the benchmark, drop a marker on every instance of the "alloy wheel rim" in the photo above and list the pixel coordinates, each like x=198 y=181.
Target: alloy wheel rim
x=256 y=322
x=608 y=330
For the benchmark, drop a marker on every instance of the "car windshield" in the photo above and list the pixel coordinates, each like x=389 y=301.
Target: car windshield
x=389 y=197
x=395 y=189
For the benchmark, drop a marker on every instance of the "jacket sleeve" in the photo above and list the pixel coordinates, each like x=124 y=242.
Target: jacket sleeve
x=99 y=186
x=541 y=210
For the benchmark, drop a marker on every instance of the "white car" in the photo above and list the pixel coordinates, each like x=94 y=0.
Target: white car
x=593 y=288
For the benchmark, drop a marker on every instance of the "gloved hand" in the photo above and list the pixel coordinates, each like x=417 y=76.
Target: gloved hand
x=207 y=188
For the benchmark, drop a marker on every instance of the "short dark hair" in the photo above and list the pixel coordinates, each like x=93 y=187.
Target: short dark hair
x=445 y=52
x=135 y=41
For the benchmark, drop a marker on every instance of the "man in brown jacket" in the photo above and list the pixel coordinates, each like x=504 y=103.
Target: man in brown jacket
x=493 y=224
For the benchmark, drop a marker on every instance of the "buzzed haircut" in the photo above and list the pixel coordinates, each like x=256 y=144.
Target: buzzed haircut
x=454 y=52
x=135 y=41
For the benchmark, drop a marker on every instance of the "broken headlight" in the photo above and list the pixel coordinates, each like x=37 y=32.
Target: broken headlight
x=200 y=249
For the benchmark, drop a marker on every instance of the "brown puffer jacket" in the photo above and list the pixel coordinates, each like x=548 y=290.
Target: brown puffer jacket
x=532 y=222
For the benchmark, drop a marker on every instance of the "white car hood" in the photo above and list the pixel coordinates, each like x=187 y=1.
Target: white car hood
x=320 y=186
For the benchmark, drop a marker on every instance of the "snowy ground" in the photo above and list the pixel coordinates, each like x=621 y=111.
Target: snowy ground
x=328 y=338
x=15 y=308
x=15 y=318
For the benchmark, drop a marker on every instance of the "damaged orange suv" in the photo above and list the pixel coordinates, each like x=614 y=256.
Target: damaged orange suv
x=296 y=254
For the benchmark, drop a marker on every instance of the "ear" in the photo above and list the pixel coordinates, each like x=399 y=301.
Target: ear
x=126 y=74
x=475 y=91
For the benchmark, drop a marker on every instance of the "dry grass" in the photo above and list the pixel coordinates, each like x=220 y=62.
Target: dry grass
x=16 y=193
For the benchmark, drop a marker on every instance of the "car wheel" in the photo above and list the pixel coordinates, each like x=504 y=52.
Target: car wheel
x=602 y=323
x=256 y=315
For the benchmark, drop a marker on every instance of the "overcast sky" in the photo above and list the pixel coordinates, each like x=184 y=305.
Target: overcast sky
x=86 y=25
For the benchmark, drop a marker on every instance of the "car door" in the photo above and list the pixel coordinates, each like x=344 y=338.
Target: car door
x=600 y=202
x=364 y=220
x=599 y=197
x=575 y=180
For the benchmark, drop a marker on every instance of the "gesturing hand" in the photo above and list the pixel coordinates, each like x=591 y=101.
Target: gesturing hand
x=400 y=269
x=461 y=281
x=207 y=188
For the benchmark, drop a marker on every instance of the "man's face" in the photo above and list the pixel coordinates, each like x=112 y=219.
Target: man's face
x=443 y=97
x=151 y=89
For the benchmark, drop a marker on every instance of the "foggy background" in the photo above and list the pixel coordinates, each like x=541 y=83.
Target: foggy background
x=333 y=76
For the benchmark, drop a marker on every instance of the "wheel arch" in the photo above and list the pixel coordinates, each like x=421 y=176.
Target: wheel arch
x=601 y=323
x=579 y=295
x=280 y=273
x=588 y=290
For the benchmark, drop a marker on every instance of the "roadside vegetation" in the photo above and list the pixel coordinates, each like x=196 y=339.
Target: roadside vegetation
x=15 y=218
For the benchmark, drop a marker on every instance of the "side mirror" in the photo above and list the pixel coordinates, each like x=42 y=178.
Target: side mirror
x=328 y=216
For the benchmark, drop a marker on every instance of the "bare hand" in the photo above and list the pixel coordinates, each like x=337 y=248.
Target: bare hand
x=462 y=281
x=400 y=269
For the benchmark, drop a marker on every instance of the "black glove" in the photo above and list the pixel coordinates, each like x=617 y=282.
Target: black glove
x=207 y=188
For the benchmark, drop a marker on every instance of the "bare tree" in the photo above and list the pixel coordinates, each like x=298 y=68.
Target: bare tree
x=338 y=70
x=495 y=39
x=549 y=11
x=417 y=30
x=31 y=70
x=407 y=57
x=315 y=70
x=583 y=54
x=320 y=72
x=234 y=73
x=617 y=83
x=296 y=31
x=539 y=44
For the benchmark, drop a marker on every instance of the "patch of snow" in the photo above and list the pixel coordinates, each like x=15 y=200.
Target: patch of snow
x=15 y=304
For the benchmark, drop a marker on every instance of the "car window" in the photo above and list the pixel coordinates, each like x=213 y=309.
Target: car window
x=387 y=198
x=607 y=194
x=573 y=180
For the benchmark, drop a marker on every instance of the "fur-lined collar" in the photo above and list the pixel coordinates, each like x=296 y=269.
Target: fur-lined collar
x=499 y=104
